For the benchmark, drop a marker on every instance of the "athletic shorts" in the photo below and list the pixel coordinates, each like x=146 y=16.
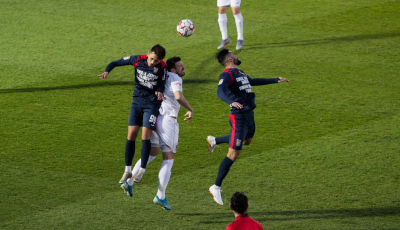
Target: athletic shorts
x=143 y=113
x=232 y=3
x=242 y=128
x=166 y=135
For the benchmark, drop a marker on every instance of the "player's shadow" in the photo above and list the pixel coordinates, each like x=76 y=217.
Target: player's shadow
x=212 y=218
x=323 y=41
x=68 y=87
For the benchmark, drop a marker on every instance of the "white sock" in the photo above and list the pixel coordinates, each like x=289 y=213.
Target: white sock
x=137 y=167
x=222 y=21
x=239 y=25
x=163 y=177
x=128 y=168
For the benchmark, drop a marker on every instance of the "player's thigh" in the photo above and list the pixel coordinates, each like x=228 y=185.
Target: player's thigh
x=239 y=130
x=135 y=115
x=223 y=3
x=168 y=131
x=251 y=132
x=150 y=113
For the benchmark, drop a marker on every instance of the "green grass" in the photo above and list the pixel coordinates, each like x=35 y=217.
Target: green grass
x=326 y=150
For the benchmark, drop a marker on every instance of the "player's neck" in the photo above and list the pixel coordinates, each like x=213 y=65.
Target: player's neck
x=231 y=66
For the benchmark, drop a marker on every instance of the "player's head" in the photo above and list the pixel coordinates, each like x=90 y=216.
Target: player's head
x=155 y=55
x=175 y=65
x=226 y=57
x=239 y=203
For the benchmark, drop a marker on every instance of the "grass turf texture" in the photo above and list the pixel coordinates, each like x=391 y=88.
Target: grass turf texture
x=325 y=154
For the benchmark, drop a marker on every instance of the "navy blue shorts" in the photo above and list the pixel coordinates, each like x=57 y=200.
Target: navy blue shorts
x=143 y=113
x=242 y=128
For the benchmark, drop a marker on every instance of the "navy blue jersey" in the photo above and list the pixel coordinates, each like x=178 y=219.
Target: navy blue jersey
x=235 y=86
x=148 y=80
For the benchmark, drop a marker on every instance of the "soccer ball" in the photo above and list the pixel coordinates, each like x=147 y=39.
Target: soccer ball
x=185 y=28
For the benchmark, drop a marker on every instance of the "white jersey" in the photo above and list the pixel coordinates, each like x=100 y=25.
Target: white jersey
x=170 y=106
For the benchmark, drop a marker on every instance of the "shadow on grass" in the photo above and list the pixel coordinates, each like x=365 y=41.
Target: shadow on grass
x=326 y=40
x=300 y=215
x=92 y=85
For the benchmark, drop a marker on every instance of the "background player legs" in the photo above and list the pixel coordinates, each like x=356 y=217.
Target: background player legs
x=239 y=22
x=222 y=21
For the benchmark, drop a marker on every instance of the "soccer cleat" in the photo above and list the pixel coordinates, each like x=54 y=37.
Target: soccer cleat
x=224 y=43
x=139 y=176
x=239 y=45
x=125 y=177
x=163 y=203
x=127 y=189
x=216 y=192
x=211 y=143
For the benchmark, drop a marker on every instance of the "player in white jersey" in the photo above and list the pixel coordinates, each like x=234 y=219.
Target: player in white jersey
x=167 y=131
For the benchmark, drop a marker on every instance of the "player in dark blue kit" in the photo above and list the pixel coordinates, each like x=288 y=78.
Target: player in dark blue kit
x=234 y=88
x=150 y=73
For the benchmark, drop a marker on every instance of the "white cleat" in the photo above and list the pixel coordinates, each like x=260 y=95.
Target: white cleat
x=216 y=192
x=224 y=43
x=239 y=45
x=211 y=143
x=139 y=176
x=125 y=177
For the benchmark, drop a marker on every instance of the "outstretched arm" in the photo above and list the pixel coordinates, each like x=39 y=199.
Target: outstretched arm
x=185 y=104
x=266 y=81
x=112 y=65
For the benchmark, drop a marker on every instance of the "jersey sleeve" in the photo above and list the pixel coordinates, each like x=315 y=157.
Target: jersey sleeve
x=262 y=81
x=225 y=80
x=120 y=62
x=176 y=84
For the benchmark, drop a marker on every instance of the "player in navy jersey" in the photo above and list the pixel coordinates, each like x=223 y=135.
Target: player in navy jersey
x=150 y=72
x=234 y=88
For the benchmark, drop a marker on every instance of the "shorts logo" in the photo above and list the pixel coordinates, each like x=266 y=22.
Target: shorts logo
x=220 y=81
x=155 y=70
x=153 y=120
x=238 y=142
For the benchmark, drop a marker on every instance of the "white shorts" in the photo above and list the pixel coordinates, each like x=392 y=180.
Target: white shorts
x=232 y=3
x=166 y=135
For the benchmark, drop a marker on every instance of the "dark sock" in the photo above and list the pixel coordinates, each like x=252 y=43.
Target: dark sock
x=129 y=152
x=223 y=170
x=145 y=153
x=223 y=139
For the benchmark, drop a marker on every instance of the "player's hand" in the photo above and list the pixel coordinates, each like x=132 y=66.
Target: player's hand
x=282 y=79
x=159 y=96
x=188 y=116
x=237 y=105
x=103 y=75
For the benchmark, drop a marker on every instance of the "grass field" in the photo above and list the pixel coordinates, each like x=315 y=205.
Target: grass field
x=326 y=150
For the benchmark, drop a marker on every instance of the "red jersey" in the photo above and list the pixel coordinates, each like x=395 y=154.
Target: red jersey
x=244 y=222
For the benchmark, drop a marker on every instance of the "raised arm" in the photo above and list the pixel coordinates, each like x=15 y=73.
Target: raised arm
x=112 y=65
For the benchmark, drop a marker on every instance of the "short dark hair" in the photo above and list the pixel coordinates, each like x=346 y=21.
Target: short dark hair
x=159 y=51
x=221 y=56
x=171 y=63
x=239 y=202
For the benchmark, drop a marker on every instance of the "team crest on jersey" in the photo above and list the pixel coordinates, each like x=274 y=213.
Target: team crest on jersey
x=238 y=142
x=155 y=70
x=126 y=58
x=220 y=81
